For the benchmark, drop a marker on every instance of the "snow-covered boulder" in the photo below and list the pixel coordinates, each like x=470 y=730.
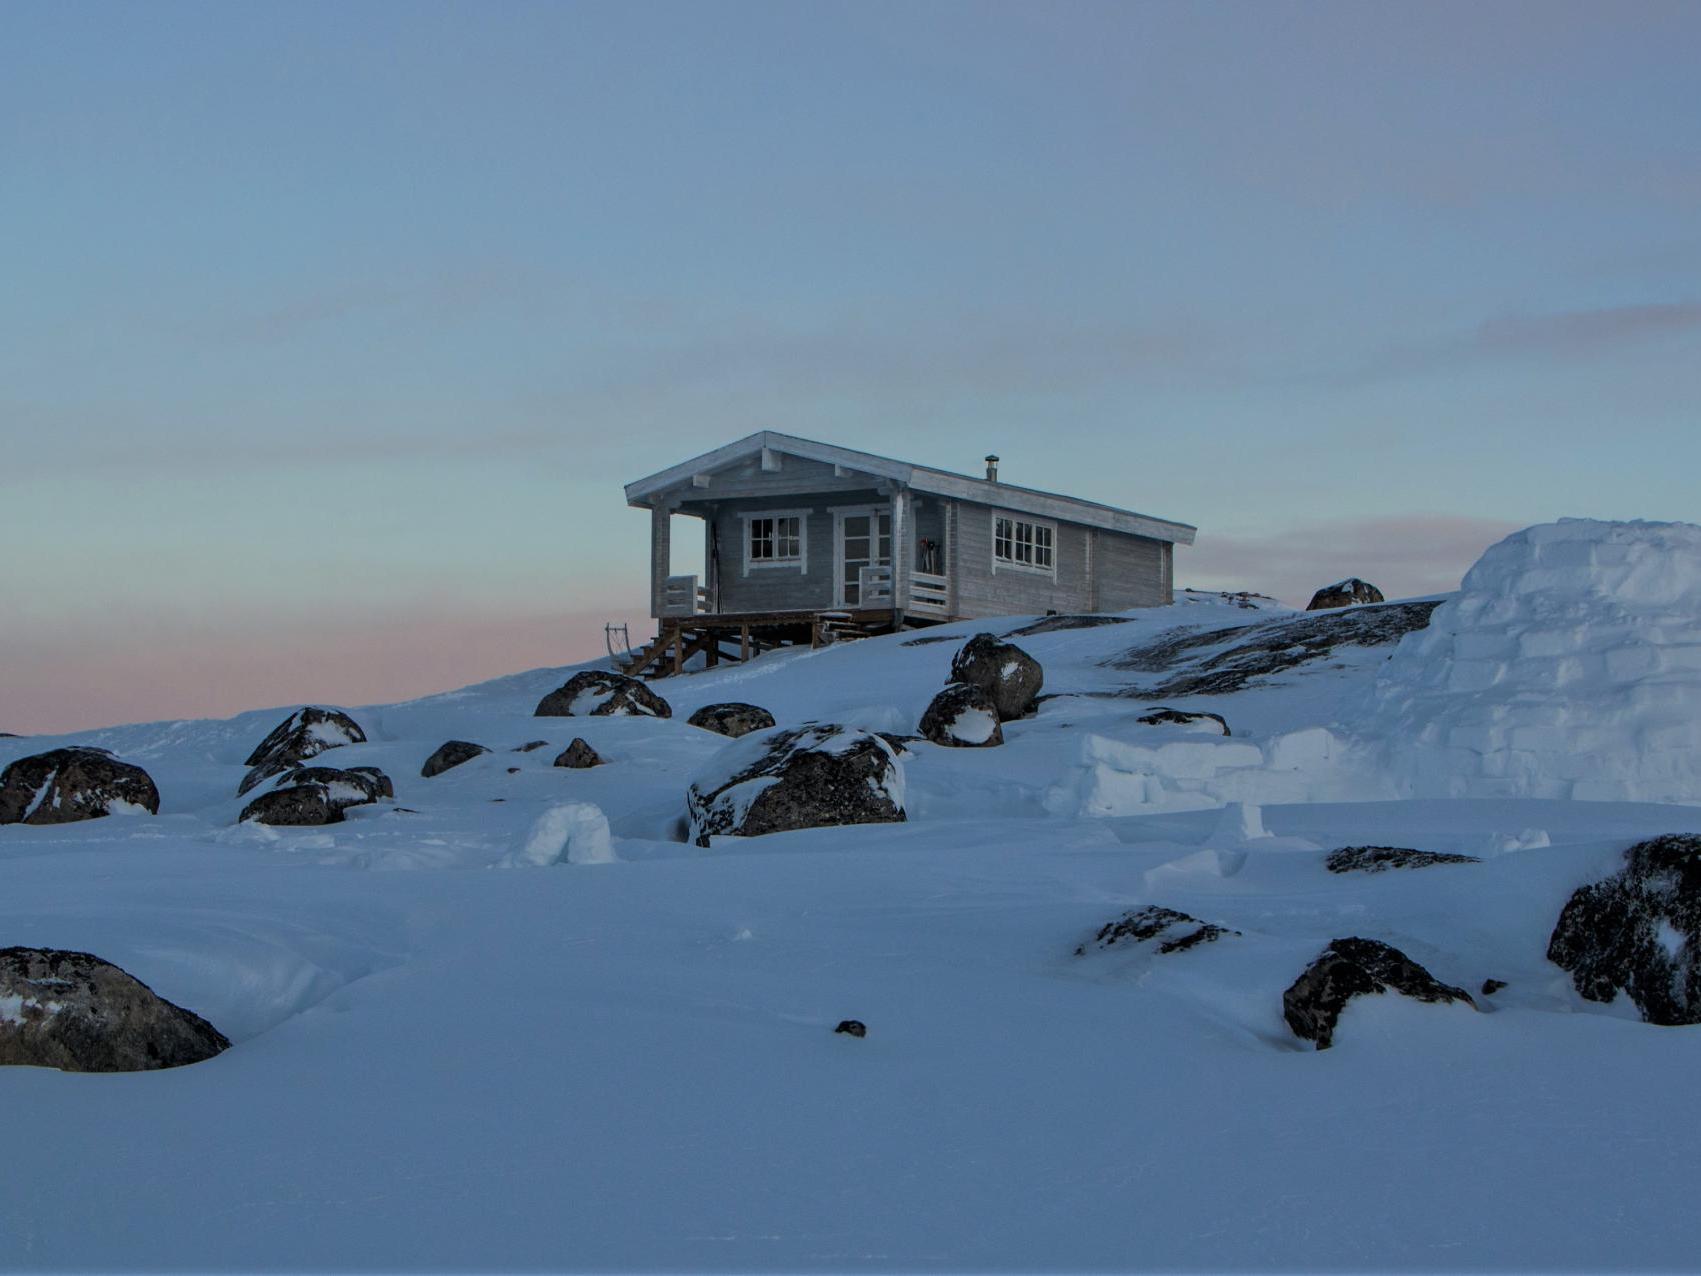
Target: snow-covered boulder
x=598 y=693
x=1379 y=859
x=811 y=776
x=962 y=716
x=1350 y=592
x=1168 y=930
x=566 y=833
x=297 y=806
x=1003 y=670
x=450 y=754
x=1355 y=967
x=1568 y=666
x=579 y=756
x=732 y=718
x=75 y=1012
x=78 y=783
x=1639 y=931
x=355 y=786
x=306 y=733
x=1209 y=723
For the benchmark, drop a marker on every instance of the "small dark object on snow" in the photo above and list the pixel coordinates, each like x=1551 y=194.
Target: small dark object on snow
x=78 y=1013
x=1163 y=717
x=1639 y=931
x=962 y=717
x=1379 y=859
x=1003 y=670
x=1492 y=986
x=451 y=754
x=1350 y=592
x=732 y=719
x=65 y=785
x=1178 y=931
x=852 y=1028
x=598 y=693
x=298 y=806
x=1053 y=623
x=513 y=770
x=306 y=733
x=533 y=744
x=1349 y=968
x=579 y=755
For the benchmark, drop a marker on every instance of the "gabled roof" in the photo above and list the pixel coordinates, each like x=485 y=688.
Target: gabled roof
x=645 y=492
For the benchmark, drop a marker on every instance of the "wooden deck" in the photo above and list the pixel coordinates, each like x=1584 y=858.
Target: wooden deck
x=740 y=636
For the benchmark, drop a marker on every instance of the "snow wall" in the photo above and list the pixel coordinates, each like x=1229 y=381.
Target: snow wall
x=1568 y=666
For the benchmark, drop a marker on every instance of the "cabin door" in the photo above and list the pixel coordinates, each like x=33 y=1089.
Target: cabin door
x=864 y=540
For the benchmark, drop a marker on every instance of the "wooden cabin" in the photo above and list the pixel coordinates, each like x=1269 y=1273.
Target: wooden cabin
x=804 y=541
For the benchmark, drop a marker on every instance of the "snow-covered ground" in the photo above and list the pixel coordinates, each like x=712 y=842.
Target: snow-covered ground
x=617 y=1052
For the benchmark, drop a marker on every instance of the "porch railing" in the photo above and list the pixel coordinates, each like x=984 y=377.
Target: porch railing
x=683 y=596
x=874 y=587
x=929 y=595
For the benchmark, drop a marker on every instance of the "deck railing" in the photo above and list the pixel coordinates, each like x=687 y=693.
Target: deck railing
x=929 y=595
x=874 y=587
x=683 y=596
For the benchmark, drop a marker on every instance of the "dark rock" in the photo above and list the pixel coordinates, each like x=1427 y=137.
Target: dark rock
x=899 y=743
x=732 y=719
x=1639 y=931
x=962 y=716
x=1354 y=967
x=1003 y=670
x=451 y=754
x=1175 y=932
x=534 y=744
x=597 y=693
x=306 y=733
x=1492 y=986
x=1055 y=624
x=814 y=776
x=852 y=1028
x=1182 y=718
x=77 y=783
x=1346 y=593
x=78 y=1013
x=1379 y=859
x=298 y=806
x=513 y=770
x=354 y=787
x=1220 y=661
x=580 y=756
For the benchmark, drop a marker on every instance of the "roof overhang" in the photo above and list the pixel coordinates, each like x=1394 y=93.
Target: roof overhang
x=669 y=486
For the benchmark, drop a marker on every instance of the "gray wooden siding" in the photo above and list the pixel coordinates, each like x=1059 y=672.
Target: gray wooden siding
x=780 y=588
x=795 y=477
x=1097 y=570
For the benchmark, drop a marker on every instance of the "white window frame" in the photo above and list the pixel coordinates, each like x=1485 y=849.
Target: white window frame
x=799 y=564
x=1011 y=564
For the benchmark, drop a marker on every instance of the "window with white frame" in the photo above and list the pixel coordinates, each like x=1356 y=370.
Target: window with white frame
x=775 y=538
x=1025 y=543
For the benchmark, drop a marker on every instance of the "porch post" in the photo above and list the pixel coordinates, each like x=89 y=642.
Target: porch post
x=661 y=555
x=903 y=555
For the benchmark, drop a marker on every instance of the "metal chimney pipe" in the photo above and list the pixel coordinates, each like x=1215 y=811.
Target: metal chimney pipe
x=992 y=469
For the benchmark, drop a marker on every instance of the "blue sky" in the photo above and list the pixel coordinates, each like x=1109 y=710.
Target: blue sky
x=330 y=332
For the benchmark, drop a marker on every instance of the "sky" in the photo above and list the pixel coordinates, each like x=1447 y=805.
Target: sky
x=329 y=333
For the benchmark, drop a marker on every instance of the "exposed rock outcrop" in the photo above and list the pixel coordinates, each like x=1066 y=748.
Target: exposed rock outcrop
x=450 y=754
x=597 y=693
x=962 y=716
x=852 y=1028
x=306 y=733
x=75 y=1012
x=796 y=778
x=1172 y=931
x=1639 y=931
x=1163 y=717
x=1379 y=859
x=579 y=756
x=1003 y=670
x=355 y=786
x=76 y=783
x=297 y=806
x=532 y=745
x=1350 y=592
x=1354 y=967
x=732 y=719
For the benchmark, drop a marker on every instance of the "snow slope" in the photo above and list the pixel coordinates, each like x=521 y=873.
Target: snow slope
x=617 y=1052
